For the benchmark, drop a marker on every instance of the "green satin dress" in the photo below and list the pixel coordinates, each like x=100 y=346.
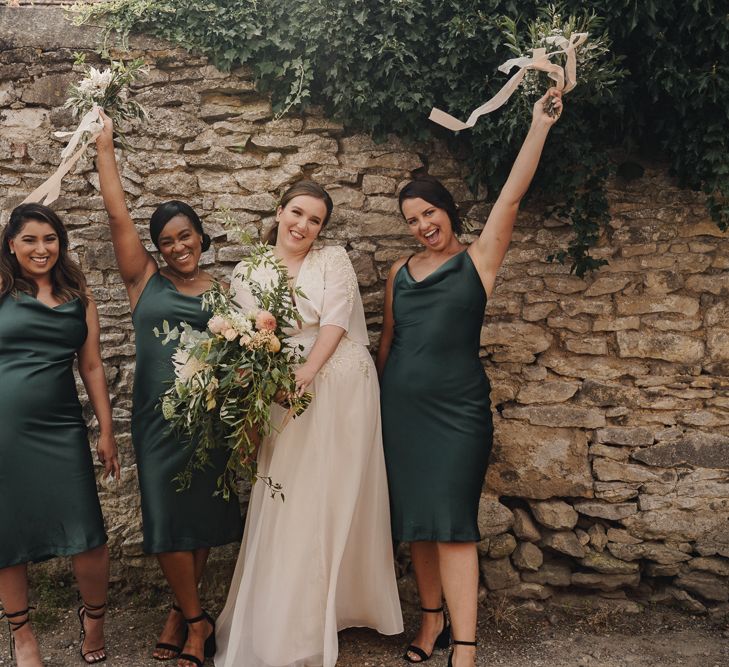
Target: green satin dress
x=172 y=520
x=48 y=496
x=436 y=413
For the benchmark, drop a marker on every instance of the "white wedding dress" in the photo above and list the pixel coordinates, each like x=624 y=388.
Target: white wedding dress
x=322 y=560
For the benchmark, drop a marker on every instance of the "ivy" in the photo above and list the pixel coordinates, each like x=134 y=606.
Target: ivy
x=380 y=65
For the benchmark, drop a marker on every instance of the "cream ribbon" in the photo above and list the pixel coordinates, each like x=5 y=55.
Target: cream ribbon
x=91 y=125
x=565 y=79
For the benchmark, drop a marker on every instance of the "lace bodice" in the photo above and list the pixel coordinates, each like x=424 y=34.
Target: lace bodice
x=329 y=283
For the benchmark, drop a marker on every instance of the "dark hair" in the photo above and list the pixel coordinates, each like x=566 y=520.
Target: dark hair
x=434 y=192
x=67 y=279
x=299 y=188
x=168 y=210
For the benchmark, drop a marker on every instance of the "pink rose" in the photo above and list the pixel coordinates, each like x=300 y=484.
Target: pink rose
x=230 y=334
x=217 y=324
x=265 y=321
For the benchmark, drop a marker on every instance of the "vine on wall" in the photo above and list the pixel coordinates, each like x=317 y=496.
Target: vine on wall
x=655 y=80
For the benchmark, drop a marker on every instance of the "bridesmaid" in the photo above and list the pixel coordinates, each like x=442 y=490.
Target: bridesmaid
x=322 y=561
x=435 y=396
x=47 y=483
x=179 y=527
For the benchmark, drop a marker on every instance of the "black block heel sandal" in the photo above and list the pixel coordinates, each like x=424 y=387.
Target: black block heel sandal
x=210 y=646
x=455 y=641
x=441 y=641
x=171 y=647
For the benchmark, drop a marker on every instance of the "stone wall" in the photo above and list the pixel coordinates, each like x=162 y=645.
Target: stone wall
x=611 y=466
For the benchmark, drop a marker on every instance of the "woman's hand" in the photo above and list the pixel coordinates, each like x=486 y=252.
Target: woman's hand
x=107 y=452
x=304 y=377
x=106 y=138
x=540 y=115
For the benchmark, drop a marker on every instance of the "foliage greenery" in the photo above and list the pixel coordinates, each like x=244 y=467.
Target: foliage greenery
x=380 y=65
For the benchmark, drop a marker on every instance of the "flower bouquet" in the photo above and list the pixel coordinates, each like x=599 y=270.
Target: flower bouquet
x=228 y=377
x=107 y=90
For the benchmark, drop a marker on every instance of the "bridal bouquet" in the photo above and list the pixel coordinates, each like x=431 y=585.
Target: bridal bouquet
x=227 y=377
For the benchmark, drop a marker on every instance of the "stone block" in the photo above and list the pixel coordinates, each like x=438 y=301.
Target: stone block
x=695 y=448
x=608 y=564
x=598 y=537
x=709 y=586
x=547 y=392
x=564 y=542
x=603 y=510
x=499 y=574
x=527 y=591
x=524 y=527
x=667 y=346
x=605 y=582
x=528 y=556
x=552 y=573
x=554 y=514
x=671 y=303
x=563 y=415
x=655 y=551
x=622 y=435
x=493 y=517
x=520 y=339
x=538 y=461
x=502 y=546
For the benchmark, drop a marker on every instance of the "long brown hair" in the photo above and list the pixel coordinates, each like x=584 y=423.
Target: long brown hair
x=299 y=188
x=67 y=279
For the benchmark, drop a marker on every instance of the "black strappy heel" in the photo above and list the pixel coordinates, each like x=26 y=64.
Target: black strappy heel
x=441 y=641
x=455 y=641
x=13 y=626
x=95 y=612
x=210 y=646
x=171 y=647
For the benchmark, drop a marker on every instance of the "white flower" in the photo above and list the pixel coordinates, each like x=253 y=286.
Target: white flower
x=96 y=81
x=187 y=365
x=241 y=323
x=265 y=276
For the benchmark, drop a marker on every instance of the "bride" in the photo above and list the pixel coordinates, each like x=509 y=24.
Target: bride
x=322 y=560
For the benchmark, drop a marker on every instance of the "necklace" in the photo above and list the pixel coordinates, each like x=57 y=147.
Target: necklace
x=177 y=274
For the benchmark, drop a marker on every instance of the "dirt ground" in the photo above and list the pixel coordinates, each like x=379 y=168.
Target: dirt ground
x=509 y=636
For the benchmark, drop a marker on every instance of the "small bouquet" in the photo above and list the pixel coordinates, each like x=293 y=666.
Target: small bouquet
x=549 y=32
x=226 y=378
x=108 y=89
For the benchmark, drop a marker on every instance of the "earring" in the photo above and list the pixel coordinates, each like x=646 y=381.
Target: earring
x=12 y=252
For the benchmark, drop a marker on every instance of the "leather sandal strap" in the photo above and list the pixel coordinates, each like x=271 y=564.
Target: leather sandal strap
x=176 y=607
x=197 y=619
x=190 y=658
x=432 y=611
x=16 y=625
x=89 y=610
x=418 y=651
x=456 y=641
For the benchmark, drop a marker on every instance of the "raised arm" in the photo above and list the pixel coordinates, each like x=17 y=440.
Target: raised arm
x=136 y=265
x=388 y=319
x=489 y=250
x=91 y=370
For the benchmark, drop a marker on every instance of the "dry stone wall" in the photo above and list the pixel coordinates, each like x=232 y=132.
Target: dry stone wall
x=610 y=472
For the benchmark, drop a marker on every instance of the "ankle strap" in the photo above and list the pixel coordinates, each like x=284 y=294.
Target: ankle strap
x=16 y=625
x=89 y=610
x=176 y=607
x=203 y=617
x=432 y=611
x=455 y=641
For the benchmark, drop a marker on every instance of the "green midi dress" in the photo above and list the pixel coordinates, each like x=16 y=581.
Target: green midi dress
x=436 y=413
x=172 y=520
x=48 y=500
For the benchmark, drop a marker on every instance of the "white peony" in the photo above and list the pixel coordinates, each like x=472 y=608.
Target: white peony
x=187 y=365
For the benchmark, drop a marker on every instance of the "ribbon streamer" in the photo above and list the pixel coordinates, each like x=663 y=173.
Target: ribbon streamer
x=92 y=125
x=565 y=79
